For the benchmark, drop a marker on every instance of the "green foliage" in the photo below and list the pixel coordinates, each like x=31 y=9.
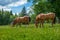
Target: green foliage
x=33 y=17
x=42 y=6
x=5 y=17
x=57 y=4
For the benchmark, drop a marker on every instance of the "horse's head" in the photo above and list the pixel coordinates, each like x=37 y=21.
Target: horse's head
x=12 y=24
x=37 y=20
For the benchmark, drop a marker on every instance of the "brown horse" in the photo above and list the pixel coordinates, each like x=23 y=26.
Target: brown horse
x=19 y=20
x=42 y=17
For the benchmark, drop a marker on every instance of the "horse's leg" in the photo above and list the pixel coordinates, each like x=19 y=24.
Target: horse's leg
x=36 y=24
x=13 y=25
x=52 y=23
x=42 y=21
x=40 y=24
x=20 y=24
x=27 y=24
x=16 y=24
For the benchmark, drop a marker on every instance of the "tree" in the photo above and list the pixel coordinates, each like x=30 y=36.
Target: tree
x=11 y=12
x=57 y=7
x=40 y=6
x=23 y=12
x=4 y=17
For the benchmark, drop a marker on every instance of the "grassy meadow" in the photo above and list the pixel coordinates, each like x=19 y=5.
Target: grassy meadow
x=30 y=32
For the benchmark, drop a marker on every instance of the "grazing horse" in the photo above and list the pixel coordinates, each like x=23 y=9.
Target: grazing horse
x=19 y=20
x=42 y=17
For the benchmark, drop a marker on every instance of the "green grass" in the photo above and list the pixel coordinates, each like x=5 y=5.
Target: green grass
x=30 y=33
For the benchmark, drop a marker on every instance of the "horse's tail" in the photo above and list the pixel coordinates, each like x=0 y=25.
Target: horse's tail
x=54 y=21
x=29 y=19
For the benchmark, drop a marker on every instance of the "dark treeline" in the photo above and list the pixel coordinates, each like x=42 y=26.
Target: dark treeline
x=5 y=17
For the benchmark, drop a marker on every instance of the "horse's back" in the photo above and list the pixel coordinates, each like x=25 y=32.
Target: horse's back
x=41 y=16
x=47 y=16
x=51 y=15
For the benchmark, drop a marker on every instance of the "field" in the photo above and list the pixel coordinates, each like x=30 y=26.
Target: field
x=30 y=33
